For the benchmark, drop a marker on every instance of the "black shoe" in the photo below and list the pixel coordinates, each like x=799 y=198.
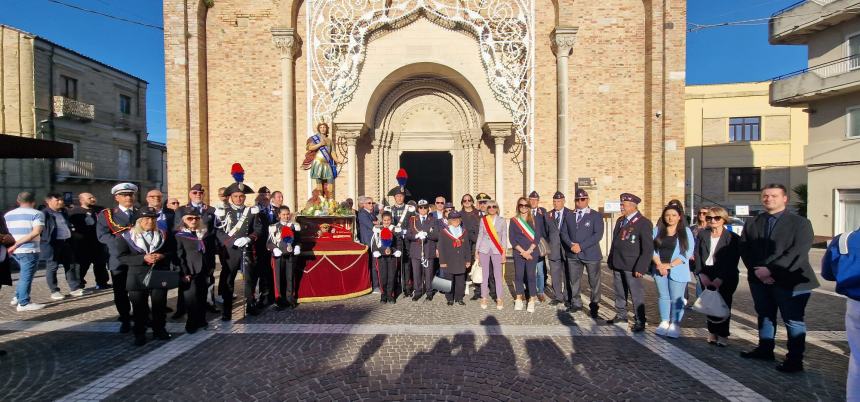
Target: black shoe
x=2 y=353
x=252 y=310
x=450 y=302
x=168 y=310
x=475 y=296
x=567 y=304
x=161 y=335
x=790 y=366
x=103 y=287
x=593 y=308
x=638 y=326
x=281 y=306
x=429 y=297
x=190 y=330
x=758 y=354
x=177 y=315
x=554 y=303
x=460 y=302
x=383 y=299
x=392 y=300
x=616 y=319
x=573 y=309
x=212 y=309
x=417 y=297
x=139 y=340
x=125 y=327
x=227 y=316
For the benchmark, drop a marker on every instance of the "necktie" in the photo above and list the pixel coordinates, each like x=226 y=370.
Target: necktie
x=557 y=215
x=578 y=215
x=422 y=220
x=624 y=222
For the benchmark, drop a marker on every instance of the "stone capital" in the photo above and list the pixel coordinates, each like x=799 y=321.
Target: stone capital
x=562 y=39
x=499 y=130
x=287 y=41
x=350 y=131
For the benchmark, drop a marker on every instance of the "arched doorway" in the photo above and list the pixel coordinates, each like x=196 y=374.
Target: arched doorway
x=427 y=114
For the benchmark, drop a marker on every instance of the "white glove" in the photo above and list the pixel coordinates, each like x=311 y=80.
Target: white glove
x=397 y=254
x=220 y=213
x=410 y=208
x=242 y=242
x=277 y=252
x=296 y=250
x=296 y=227
x=421 y=235
x=377 y=254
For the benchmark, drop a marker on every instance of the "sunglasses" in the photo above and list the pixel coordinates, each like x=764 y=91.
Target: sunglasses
x=523 y=205
x=439 y=203
x=174 y=203
x=191 y=218
x=713 y=218
x=465 y=201
x=422 y=207
x=703 y=212
x=197 y=192
x=581 y=199
x=493 y=206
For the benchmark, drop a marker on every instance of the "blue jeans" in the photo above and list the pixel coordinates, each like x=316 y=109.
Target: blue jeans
x=540 y=280
x=27 y=263
x=671 y=298
x=768 y=299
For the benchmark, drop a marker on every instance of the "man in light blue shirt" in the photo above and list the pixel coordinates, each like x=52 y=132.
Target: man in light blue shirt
x=25 y=224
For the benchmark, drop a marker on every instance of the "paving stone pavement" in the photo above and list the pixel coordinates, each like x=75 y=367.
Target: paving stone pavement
x=361 y=349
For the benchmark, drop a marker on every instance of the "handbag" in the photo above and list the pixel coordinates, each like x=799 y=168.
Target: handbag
x=161 y=279
x=543 y=247
x=477 y=274
x=710 y=303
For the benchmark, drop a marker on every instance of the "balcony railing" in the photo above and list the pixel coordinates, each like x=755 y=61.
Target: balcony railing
x=73 y=109
x=74 y=168
x=829 y=69
x=800 y=3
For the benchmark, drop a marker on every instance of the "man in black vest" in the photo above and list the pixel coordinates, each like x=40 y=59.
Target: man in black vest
x=111 y=223
x=775 y=249
x=630 y=258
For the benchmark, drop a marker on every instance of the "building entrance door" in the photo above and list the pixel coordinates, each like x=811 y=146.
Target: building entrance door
x=430 y=174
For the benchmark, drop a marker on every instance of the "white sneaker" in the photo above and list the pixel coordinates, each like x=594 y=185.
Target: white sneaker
x=14 y=301
x=531 y=308
x=78 y=293
x=57 y=296
x=30 y=307
x=661 y=329
x=518 y=305
x=674 y=330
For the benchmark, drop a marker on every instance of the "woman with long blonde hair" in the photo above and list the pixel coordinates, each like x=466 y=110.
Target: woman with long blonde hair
x=524 y=239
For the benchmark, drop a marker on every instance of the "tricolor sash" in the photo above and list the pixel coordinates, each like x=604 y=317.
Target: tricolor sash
x=325 y=153
x=490 y=228
x=525 y=228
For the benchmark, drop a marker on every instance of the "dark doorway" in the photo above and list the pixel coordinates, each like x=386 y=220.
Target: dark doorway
x=431 y=174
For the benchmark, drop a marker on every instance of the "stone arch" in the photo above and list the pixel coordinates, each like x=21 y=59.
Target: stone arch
x=424 y=113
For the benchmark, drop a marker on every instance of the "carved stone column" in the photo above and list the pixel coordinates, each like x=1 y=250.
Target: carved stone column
x=563 y=39
x=500 y=132
x=350 y=132
x=289 y=44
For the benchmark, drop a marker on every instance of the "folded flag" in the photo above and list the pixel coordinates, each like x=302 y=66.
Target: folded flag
x=386 y=237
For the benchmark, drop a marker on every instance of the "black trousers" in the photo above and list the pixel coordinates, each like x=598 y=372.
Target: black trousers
x=139 y=299
x=193 y=295
x=720 y=326
x=407 y=284
x=120 y=296
x=386 y=267
x=227 y=280
x=284 y=278
x=422 y=276
x=265 y=277
x=95 y=256
x=458 y=286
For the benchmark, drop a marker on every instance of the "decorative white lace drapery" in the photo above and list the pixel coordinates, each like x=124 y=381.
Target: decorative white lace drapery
x=339 y=31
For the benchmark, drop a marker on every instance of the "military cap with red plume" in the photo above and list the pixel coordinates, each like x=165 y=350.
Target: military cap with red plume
x=237 y=172
x=386 y=237
x=402 y=177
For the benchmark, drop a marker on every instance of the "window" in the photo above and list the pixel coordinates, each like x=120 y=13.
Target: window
x=854 y=52
x=849 y=211
x=69 y=87
x=123 y=164
x=744 y=179
x=124 y=104
x=852 y=123
x=744 y=129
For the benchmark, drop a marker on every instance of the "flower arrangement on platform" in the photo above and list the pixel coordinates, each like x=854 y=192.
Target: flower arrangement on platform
x=328 y=207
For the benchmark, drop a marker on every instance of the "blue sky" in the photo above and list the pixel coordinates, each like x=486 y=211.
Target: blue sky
x=715 y=55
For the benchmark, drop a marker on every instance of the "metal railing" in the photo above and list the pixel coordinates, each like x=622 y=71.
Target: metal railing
x=74 y=168
x=789 y=8
x=73 y=109
x=826 y=70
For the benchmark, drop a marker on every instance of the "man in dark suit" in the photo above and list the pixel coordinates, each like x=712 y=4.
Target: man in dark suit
x=110 y=225
x=87 y=249
x=775 y=249
x=266 y=216
x=166 y=217
x=581 y=236
x=556 y=219
x=55 y=248
x=630 y=258
x=422 y=250
x=366 y=222
x=539 y=214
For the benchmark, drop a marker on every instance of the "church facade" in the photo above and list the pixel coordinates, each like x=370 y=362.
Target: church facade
x=499 y=96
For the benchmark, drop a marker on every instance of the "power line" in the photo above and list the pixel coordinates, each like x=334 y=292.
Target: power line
x=750 y=22
x=107 y=15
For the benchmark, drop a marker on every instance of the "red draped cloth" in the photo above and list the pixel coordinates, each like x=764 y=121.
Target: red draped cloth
x=333 y=270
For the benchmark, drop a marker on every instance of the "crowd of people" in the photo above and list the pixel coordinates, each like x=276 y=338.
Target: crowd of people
x=410 y=244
